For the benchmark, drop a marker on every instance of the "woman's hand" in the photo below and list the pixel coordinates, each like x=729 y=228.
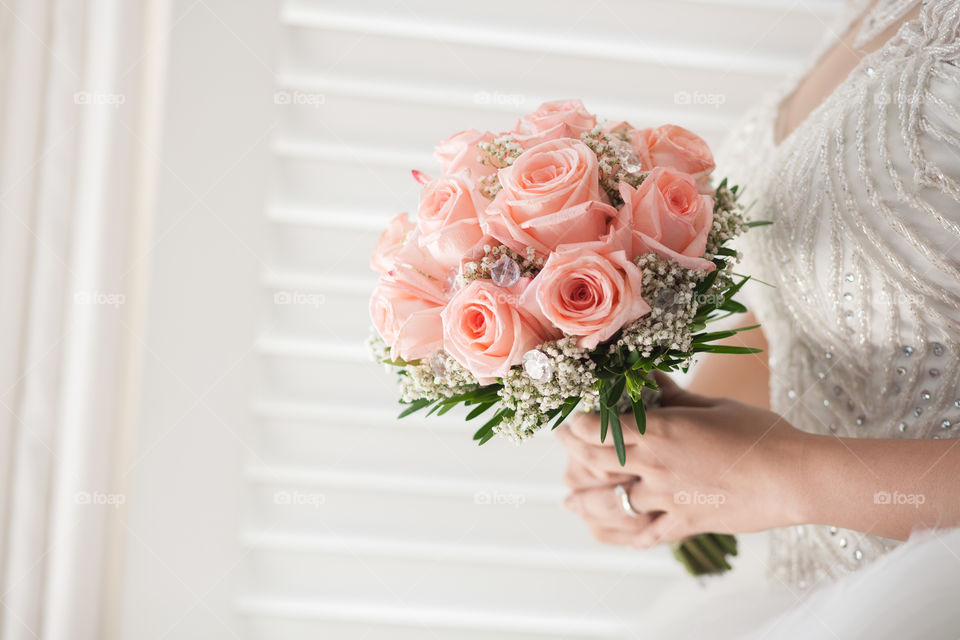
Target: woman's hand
x=704 y=465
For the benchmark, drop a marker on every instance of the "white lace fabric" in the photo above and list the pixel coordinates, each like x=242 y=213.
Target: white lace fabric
x=864 y=320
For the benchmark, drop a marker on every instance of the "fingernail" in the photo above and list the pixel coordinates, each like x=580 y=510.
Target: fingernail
x=572 y=503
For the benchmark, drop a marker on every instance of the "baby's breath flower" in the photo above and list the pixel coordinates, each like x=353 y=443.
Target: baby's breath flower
x=670 y=290
x=617 y=160
x=728 y=220
x=499 y=153
x=531 y=401
x=530 y=264
x=441 y=377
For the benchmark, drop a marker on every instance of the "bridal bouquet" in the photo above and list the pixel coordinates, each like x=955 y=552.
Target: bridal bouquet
x=557 y=265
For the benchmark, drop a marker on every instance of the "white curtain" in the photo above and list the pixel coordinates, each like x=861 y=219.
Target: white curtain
x=79 y=86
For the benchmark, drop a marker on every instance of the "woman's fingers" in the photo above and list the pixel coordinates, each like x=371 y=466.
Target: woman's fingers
x=579 y=476
x=603 y=503
x=666 y=528
x=600 y=459
x=586 y=427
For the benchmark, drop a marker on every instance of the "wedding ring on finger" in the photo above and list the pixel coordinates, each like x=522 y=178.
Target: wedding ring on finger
x=624 y=497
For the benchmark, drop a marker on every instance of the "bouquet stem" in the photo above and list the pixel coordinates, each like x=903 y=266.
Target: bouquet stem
x=706 y=553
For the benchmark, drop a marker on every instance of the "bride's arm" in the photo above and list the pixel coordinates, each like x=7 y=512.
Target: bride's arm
x=718 y=465
x=883 y=487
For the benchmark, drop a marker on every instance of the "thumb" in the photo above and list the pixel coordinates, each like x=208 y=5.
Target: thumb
x=672 y=394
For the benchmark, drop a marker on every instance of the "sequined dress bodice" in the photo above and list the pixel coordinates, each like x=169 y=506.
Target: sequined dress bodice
x=864 y=320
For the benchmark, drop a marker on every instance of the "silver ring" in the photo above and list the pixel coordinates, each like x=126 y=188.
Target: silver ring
x=621 y=493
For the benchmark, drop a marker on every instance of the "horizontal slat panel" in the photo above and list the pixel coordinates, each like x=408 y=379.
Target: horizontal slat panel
x=398 y=620
x=650 y=86
x=318 y=250
x=317 y=380
x=443 y=447
x=367 y=110
x=447 y=580
x=601 y=560
x=652 y=32
x=347 y=183
x=313 y=308
x=429 y=508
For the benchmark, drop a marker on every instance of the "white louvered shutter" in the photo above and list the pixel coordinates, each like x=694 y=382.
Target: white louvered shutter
x=360 y=526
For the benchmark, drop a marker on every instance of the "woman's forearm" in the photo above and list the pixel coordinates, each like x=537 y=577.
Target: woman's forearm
x=880 y=486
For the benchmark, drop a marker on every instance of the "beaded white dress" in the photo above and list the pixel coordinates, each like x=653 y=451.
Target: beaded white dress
x=864 y=321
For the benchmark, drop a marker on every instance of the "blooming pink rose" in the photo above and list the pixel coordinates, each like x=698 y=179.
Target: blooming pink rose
x=590 y=290
x=571 y=114
x=418 y=258
x=459 y=153
x=405 y=309
x=486 y=331
x=670 y=217
x=675 y=147
x=390 y=242
x=550 y=195
x=447 y=218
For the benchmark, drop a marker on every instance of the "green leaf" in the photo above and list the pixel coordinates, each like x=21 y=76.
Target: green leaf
x=618 y=437
x=446 y=408
x=616 y=391
x=479 y=409
x=725 y=348
x=759 y=223
x=702 y=338
x=732 y=291
x=490 y=424
x=483 y=431
x=568 y=407
x=726 y=251
x=640 y=415
x=707 y=282
x=732 y=306
x=604 y=420
x=415 y=406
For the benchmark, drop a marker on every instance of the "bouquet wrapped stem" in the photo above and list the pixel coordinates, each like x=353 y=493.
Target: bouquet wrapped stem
x=706 y=553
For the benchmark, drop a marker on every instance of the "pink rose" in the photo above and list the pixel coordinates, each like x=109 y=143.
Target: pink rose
x=390 y=242
x=590 y=290
x=405 y=309
x=670 y=217
x=571 y=115
x=413 y=256
x=447 y=218
x=675 y=147
x=460 y=153
x=550 y=195
x=487 y=332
